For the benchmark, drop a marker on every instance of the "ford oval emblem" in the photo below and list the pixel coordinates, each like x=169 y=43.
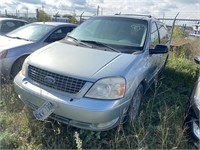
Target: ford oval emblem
x=49 y=80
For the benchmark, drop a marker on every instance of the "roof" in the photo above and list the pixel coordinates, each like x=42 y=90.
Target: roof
x=55 y=23
x=12 y=19
x=134 y=16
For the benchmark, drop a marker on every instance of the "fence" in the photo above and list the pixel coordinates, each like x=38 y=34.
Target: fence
x=32 y=17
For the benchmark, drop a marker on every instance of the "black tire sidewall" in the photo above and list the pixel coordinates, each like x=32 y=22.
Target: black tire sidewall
x=129 y=113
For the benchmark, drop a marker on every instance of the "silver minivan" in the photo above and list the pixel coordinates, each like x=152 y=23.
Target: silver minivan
x=96 y=77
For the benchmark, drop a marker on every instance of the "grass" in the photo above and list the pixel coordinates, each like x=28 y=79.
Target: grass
x=159 y=125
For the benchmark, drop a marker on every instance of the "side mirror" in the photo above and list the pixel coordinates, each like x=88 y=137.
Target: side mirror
x=197 y=59
x=159 y=49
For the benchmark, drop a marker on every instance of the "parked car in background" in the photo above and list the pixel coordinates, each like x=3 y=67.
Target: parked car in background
x=95 y=78
x=192 y=118
x=18 y=44
x=10 y=24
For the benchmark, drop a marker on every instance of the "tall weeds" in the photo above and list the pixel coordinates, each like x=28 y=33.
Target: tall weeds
x=159 y=125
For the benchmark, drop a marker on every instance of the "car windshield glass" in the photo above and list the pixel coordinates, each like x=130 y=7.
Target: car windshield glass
x=124 y=34
x=31 y=32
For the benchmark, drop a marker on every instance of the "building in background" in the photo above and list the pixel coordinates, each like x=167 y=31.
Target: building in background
x=196 y=30
x=60 y=19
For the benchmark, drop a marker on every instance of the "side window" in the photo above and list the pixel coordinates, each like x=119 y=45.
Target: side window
x=59 y=34
x=19 y=24
x=8 y=26
x=163 y=34
x=154 y=36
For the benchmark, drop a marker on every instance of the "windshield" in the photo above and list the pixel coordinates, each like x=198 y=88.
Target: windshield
x=31 y=32
x=124 y=34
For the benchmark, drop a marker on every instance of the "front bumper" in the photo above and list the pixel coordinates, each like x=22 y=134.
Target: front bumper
x=196 y=129
x=91 y=114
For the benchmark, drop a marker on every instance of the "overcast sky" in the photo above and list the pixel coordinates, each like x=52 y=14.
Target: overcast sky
x=157 y=8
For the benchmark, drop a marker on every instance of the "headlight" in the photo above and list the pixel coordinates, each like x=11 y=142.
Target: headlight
x=108 y=88
x=24 y=67
x=3 y=54
x=197 y=96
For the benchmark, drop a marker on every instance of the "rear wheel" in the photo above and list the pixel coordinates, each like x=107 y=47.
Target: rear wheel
x=134 y=108
x=17 y=67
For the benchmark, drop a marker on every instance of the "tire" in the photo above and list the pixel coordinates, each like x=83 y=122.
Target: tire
x=134 y=108
x=17 y=66
x=189 y=127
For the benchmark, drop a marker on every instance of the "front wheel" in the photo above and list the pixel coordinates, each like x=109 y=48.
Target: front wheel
x=134 y=108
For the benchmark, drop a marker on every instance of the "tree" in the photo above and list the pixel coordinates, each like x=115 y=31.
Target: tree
x=179 y=34
x=42 y=16
x=72 y=18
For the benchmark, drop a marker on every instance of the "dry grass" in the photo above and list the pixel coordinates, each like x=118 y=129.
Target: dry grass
x=159 y=125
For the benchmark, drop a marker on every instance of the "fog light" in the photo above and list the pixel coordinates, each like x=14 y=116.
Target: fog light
x=196 y=129
x=107 y=124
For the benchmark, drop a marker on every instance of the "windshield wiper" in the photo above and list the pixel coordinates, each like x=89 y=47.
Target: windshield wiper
x=79 y=42
x=102 y=44
x=17 y=38
x=7 y=36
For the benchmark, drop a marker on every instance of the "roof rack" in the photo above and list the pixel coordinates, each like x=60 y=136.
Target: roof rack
x=135 y=15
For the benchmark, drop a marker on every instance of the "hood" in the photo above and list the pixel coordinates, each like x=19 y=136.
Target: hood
x=7 y=43
x=80 y=62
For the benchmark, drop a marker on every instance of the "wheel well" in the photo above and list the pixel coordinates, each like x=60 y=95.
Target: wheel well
x=17 y=60
x=144 y=84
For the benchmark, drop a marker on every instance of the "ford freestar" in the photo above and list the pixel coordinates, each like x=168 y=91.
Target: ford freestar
x=96 y=77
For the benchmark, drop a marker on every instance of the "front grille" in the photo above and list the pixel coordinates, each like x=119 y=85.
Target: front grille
x=55 y=81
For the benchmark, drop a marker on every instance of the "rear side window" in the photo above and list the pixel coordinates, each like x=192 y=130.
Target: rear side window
x=163 y=32
x=10 y=25
x=154 y=36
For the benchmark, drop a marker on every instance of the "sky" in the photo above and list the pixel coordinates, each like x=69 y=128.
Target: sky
x=158 y=8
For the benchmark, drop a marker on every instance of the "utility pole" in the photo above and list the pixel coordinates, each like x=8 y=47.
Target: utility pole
x=27 y=12
x=37 y=14
x=98 y=10
x=6 y=12
x=42 y=6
